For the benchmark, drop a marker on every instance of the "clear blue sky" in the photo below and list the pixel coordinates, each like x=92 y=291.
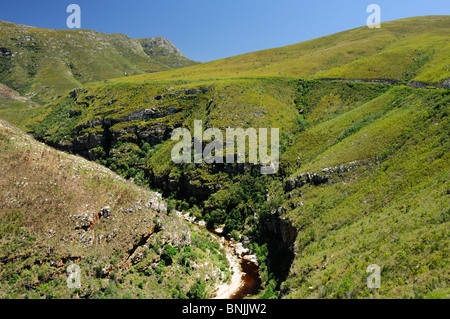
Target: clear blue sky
x=206 y=30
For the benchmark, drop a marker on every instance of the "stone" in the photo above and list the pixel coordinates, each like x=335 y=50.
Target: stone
x=106 y=211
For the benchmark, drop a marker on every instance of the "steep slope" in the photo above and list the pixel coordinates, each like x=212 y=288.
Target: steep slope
x=166 y=52
x=413 y=49
x=364 y=164
x=352 y=155
x=14 y=107
x=129 y=126
x=371 y=186
x=43 y=63
x=57 y=209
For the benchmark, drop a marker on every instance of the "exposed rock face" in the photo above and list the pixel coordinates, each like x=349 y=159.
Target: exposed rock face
x=417 y=84
x=145 y=114
x=5 y=52
x=189 y=187
x=104 y=133
x=303 y=179
x=390 y=82
x=8 y=93
x=239 y=249
x=87 y=142
x=283 y=227
x=87 y=221
x=446 y=83
x=315 y=179
x=159 y=45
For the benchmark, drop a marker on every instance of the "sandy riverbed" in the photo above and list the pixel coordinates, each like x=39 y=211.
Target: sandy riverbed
x=226 y=290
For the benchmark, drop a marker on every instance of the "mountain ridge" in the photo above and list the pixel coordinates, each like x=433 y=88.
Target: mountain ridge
x=364 y=154
x=44 y=63
x=411 y=49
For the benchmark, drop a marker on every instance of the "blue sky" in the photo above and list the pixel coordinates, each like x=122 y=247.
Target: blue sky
x=206 y=30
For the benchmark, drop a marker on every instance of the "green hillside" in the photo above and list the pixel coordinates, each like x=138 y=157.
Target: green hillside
x=43 y=63
x=364 y=145
x=413 y=49
x=58 y=209
x=382 y=198
x=164 y=51
x=380 y=152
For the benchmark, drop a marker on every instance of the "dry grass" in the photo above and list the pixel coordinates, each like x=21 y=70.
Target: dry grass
x=51 y=215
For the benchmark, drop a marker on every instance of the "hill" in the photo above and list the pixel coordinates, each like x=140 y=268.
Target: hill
x=43 y=63
x=57 y=209
x=363 y=178
x=166 y=52
x=363 y=165
x=402 y=51
x=371 y=186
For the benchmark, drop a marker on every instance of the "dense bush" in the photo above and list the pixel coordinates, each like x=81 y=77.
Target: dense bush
x=168 y=254
x=197 y=290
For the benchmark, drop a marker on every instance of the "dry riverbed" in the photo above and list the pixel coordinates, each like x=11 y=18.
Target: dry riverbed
x=226 y=290
x=235 y=254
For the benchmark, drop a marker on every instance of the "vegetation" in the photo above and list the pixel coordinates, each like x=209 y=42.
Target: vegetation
x=413 y=49
x=363 y=175
x=50 y=201
x=388 y=193
x=42 y=63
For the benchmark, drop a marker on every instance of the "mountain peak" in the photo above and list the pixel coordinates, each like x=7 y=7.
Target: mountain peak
x=160 y=46
x=65 y=59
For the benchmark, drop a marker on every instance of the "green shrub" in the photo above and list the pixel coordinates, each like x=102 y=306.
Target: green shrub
x=168 y=253
x=197 y=290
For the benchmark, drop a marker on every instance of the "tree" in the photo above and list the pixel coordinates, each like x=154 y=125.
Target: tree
x=197 y=290
x=234 y=221
x=168 y=253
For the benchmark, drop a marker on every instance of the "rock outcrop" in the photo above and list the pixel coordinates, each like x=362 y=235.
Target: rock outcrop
x=282 y=227
x=159 y=45
x=303 y=179
x=445 y=84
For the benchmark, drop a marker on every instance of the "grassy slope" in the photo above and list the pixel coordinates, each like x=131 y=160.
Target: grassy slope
x=394 y=204
x=243 y=97
x=391 y=208
x=44 y=63
x=44 y=193
x=402 y=50
x=14 y=107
